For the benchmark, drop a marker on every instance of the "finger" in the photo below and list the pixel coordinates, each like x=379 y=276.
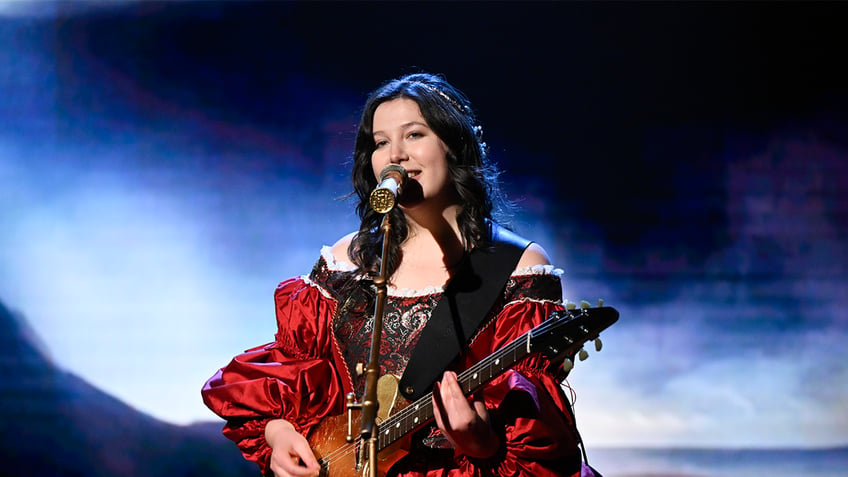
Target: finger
x=438 y=406
x=455 y=400
x=297 y=472
x=452 y=384
x=292 y=467
x=279 y=469
x=305 y=456
x=448 y=389
x=481 y=410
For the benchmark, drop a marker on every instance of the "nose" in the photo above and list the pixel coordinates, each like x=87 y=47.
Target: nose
x=398 y=153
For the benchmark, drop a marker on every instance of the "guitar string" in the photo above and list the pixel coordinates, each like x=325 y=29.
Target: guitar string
x=511 y=347
x=423 y=404
x=405 y=413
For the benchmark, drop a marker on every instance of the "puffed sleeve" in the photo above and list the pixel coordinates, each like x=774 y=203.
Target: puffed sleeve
x=295 y=377
x=526 y=404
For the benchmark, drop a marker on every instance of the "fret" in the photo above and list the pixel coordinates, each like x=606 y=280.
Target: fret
x=564 y=332
x=416 y=414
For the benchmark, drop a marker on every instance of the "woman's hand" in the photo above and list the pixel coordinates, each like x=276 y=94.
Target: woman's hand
x=291 y=455
x=466 y=425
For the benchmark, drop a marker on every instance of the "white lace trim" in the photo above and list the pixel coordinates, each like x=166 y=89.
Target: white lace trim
x=343 y=266
x=411 y=292
x=318 y=286
x=333 y=264
x=538 y=270
x=430 y=290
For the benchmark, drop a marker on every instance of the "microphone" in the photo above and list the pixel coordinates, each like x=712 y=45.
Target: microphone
x=392 y=179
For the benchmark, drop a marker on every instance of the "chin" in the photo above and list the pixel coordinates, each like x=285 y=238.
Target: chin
x=412 y=195
x=409 y=204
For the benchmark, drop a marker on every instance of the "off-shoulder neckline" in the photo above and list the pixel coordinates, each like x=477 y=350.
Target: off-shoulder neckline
x=335 y=265
x=343 y=266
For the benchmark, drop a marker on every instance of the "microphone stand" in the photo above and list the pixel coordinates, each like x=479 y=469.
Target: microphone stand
x=382 y=200
x=368 y=425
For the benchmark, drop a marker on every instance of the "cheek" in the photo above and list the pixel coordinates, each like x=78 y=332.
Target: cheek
x=377 y=163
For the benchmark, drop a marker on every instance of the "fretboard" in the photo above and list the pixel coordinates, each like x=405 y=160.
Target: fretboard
x=419 y=412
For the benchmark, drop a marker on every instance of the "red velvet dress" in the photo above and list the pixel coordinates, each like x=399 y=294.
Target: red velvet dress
x=304 y=374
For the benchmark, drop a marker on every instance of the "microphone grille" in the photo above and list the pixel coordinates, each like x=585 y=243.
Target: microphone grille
x=395 y=170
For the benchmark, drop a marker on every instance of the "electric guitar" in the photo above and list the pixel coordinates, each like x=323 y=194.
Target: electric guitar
x=558 y=338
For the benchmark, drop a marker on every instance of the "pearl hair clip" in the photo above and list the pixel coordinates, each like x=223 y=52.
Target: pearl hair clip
x=445 y=96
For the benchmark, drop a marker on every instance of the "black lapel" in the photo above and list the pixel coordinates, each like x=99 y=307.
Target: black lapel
x=464 y=305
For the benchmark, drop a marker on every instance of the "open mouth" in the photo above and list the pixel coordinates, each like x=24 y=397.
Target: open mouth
x=413 y=173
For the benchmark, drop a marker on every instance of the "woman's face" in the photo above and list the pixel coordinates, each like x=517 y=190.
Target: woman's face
x=402 y=136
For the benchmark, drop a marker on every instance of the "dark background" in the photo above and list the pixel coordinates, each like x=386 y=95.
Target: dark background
x=164 y=165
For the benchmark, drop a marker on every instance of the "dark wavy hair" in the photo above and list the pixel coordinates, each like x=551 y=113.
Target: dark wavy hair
x=449 y=114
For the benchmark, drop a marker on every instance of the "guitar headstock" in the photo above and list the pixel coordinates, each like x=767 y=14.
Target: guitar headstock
x=566 y=331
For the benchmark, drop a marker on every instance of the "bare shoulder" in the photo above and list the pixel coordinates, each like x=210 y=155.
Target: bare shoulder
x=535 y=254
x=339 y=249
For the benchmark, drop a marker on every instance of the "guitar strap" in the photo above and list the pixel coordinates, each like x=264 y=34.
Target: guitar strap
x=464 y=305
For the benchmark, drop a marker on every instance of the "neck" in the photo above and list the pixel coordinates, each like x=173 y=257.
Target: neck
x=435 y=231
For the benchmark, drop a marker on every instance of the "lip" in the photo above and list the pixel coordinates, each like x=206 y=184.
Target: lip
x=412 y=173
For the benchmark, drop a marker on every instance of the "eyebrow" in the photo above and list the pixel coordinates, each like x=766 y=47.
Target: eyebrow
x=404 y=126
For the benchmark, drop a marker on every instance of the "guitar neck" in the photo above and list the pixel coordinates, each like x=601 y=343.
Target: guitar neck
x=562 y=333
x=419 y=412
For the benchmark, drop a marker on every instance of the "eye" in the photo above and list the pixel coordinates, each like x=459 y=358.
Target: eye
x=379 y=144
x=415 y=134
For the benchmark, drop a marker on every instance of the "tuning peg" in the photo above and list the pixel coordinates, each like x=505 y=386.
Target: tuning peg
x=583 y=354
x=600 y=302
x=598 y=344
x=570 y=305
x=584 y=304
x=567 y=365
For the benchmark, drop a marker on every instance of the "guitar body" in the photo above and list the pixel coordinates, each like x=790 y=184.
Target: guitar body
x=337 y=457
x=560 y=336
